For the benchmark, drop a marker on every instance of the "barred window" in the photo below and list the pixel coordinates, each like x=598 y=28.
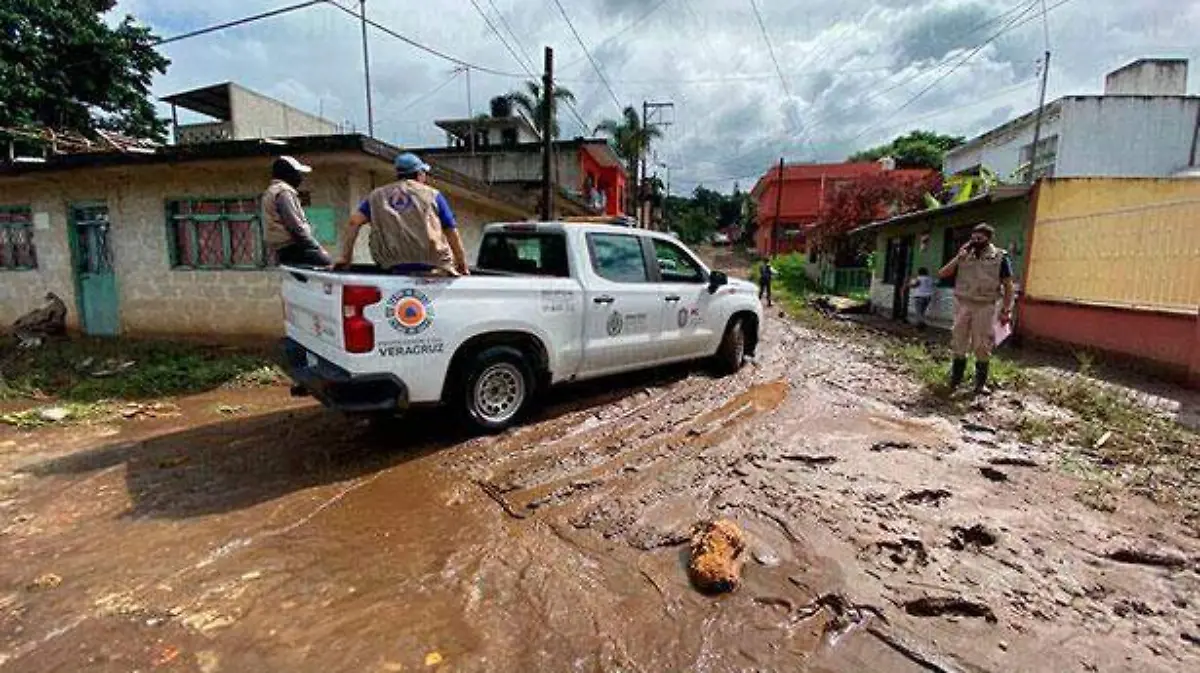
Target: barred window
x=217 y=234
x=17 y=251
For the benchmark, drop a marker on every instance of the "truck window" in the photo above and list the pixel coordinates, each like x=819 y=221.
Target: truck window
x=675 y=265
x=618 y=257
x=532 y=253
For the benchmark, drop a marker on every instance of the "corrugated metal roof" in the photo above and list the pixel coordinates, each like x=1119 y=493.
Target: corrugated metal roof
x=997 y=195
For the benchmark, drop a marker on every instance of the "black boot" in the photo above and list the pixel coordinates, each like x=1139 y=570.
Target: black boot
x=958 y=370
x=981 y=378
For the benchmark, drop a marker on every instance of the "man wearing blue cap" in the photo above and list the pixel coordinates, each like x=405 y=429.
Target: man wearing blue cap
x=412 y=227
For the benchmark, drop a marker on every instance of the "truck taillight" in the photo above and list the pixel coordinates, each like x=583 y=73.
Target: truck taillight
x=358 y=333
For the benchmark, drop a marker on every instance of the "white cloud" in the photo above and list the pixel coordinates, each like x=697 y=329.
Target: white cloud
x=849 y=65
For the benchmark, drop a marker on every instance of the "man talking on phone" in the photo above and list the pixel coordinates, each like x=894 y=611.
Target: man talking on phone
x=983 y=274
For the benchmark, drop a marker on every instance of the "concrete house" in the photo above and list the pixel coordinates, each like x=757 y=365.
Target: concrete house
x=170 y=242
x=1143 y=125
x=930 y=238
x=506 y=153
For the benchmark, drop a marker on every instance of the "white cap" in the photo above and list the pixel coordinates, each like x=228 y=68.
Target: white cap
x=296 y=165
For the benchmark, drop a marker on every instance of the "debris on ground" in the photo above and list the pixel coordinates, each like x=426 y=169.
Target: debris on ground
x=46 y=581
x=953 y=606
x=715 y=565
x=47 y=320
x=926 y=496
x=1149 y=558
x=992 y=474
x=433 y=659
x=972 y=537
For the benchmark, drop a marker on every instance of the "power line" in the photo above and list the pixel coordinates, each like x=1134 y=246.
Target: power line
x=953 y=69
x=620 y=32
x=571 y=107
x=503 y=41
x=429 y=94
x=425 y=48
x=513 y=35
x=587 y=53
x=238 y=22
x=770 y=49
x=941 y=111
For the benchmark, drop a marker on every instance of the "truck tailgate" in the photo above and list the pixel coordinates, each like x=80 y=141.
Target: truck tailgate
x=312 y=308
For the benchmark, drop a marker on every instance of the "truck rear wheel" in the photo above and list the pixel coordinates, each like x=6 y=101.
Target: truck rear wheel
x=496 y=387
x=732 y=351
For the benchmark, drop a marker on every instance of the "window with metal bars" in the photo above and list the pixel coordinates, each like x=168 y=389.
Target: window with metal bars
x=225 y=233
x=17 y=251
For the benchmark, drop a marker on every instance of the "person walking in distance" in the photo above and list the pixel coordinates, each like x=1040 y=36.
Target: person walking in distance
x=922 y=294
x=288 y=232
x=983 y=274
x=765 y=275
x=412 y=227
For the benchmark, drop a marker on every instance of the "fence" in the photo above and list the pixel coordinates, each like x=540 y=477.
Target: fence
x=1126 y=243
x=1114 y=266
x=845 y=280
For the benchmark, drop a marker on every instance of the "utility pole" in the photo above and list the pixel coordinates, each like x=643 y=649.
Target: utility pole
x=470 y=109
x=362 y=15
x=1037 y=125
x=778 y=208
x=647 y=108
x=547 y=136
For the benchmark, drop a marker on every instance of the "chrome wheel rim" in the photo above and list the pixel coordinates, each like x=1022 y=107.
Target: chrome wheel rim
x=499 y=392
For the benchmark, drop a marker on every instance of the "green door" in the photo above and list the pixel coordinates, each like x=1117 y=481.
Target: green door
x=94 y=277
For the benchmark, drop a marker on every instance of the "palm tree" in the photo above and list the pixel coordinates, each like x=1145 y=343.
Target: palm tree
x=631 y=139
x=530 y=102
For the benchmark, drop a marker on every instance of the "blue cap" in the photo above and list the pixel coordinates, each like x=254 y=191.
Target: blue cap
x=410 y=163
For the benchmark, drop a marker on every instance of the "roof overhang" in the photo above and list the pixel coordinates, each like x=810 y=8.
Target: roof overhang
x=213 y=100
x=997 y=195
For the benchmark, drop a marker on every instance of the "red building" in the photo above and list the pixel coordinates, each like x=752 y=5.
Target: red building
x=806 y=187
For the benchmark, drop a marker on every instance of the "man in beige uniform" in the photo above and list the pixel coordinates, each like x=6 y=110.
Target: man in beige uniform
x=980 y=271
x=412 y=227
x=288 y=233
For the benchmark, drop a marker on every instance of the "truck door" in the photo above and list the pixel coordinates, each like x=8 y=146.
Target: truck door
x=686 y=316
x=622 y=306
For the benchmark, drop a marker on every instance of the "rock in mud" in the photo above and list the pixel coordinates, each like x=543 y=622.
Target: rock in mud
x=992 y=474
x=716 y=563
x=1149 y=558
x=972 y=537
x=955 y=606
x=889 y=445
x=926 y=496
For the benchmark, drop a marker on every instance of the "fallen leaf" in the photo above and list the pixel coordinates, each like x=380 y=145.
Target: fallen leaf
x=433 y=659
x=166 y=654
x=46 y=581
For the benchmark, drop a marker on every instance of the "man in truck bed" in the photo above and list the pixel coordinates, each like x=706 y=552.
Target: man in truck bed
x=412 y=227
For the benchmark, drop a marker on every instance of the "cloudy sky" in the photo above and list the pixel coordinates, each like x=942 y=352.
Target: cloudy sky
x=854 y=72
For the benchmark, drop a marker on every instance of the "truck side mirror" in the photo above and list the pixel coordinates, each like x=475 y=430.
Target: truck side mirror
x=715 y=280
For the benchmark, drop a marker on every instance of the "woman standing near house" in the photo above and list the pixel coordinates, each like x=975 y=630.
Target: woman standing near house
x=922 y=294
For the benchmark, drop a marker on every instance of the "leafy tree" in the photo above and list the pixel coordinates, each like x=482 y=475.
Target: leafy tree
x=63 y=67
x=867 y=199
x=918 y=149
x=532 y=102
x=631 y=140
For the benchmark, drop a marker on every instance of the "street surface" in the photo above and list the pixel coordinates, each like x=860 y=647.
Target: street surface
x=281 y=537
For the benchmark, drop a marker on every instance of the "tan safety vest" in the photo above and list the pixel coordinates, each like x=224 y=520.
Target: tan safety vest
x=978 y=278
x=405 y=228
x=276 y=234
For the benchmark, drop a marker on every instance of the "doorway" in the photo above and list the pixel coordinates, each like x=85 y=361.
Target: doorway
x=896 y=272
x=95 y=280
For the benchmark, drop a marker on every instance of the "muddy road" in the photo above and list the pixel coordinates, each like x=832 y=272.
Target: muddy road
x=284 y=538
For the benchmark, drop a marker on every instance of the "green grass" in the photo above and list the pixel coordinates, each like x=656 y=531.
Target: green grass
x=75 y=412
x=66 y=370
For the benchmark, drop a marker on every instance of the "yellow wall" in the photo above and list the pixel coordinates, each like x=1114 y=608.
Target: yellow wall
x=1131 y=242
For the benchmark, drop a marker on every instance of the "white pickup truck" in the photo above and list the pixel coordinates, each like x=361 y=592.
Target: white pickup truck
x=546 y=303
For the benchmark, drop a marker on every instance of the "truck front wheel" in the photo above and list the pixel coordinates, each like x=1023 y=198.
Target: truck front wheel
x=496 y=386
x=732 y=351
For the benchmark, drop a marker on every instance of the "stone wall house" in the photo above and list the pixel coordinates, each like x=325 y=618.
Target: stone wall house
x=170 y=243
